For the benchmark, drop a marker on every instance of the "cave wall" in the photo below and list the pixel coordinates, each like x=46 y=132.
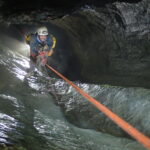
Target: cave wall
x=112 y=43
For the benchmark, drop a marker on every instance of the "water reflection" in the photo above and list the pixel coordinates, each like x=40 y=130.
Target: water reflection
x=30 y=117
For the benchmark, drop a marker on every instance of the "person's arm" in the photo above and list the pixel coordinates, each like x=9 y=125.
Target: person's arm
x=33 y=48
x=51 y=44
x=53 y=41
x=50 y=52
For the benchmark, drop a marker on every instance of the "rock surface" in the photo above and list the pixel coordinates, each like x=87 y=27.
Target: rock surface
x=112 y=43
x=131 y=104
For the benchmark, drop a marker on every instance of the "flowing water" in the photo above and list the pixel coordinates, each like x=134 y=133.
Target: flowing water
x=45 y=113
x=30 y=119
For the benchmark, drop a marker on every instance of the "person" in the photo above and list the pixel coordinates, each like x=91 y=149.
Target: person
x=41 y=47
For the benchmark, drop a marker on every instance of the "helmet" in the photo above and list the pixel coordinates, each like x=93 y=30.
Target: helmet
x=42 y=31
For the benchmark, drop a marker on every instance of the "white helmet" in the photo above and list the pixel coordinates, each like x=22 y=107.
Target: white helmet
x=42 y=31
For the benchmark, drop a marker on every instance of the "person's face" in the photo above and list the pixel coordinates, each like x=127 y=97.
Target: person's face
x=42 y=37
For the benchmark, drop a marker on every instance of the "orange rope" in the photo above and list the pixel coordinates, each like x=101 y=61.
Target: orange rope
x=141 y=138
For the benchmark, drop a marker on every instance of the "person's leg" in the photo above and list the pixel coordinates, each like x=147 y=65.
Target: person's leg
x=32 y=64
x=41 y=62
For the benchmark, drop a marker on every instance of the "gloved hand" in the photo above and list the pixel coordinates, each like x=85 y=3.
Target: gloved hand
x=50 y=52
x=42 y=54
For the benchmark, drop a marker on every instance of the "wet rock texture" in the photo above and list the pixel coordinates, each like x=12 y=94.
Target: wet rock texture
x=131 y=104
x=112 y=43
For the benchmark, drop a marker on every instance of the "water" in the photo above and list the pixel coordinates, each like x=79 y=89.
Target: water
x=30 y=119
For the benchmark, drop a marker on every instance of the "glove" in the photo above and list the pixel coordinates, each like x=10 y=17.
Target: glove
x=50 y=53
x=42 y=54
